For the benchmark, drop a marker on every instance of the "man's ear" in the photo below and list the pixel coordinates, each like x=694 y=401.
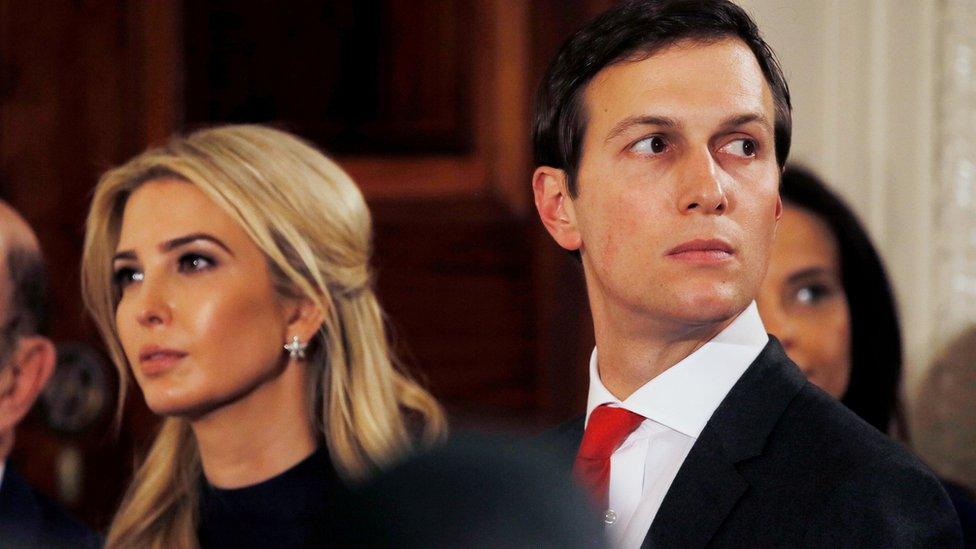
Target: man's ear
x=24 y=377
x=779 y=207
x=305 y=319
x=552 y=200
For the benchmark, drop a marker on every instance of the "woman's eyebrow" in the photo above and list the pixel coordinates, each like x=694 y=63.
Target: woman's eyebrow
x=810 y=272
x=174 y=243
x=123 y=255
x=184 y=240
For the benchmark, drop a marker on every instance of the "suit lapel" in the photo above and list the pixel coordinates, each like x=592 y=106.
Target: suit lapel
x=708 y=484
x=703 y=493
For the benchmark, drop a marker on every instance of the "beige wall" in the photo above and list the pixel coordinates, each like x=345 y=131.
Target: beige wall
x=863 y=74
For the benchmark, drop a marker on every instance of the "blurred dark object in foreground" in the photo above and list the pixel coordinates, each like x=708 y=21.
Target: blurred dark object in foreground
x=475 y=492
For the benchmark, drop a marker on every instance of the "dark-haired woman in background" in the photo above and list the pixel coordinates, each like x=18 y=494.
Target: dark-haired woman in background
x=827 y=298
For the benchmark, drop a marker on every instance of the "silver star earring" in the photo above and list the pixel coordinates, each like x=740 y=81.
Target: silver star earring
x=296 y=349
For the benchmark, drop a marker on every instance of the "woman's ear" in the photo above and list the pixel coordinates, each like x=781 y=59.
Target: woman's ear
x=24 y=377
x=305 y=319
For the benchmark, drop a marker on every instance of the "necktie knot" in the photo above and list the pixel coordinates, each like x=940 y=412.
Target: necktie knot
x=606 y=430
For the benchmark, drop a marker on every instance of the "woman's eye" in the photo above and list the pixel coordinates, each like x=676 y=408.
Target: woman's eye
x=812 y=294
x=654 y=144
x=742 y=147
x=195 y=262
x=125 y=276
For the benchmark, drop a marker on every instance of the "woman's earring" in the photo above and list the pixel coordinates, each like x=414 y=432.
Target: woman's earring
x=296 y=349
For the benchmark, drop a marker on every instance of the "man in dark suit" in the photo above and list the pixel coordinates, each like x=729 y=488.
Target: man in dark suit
x=27 y=519
x=660 y=135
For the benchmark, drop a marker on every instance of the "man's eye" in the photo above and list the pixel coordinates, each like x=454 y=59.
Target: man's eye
x=125 y=276
x=742 y=147
x=654 y=144
x=195 y=262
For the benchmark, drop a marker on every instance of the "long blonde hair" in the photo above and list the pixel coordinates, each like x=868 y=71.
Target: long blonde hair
x=312 y=224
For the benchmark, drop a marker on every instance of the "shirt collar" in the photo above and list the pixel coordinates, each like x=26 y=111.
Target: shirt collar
x=684 y=396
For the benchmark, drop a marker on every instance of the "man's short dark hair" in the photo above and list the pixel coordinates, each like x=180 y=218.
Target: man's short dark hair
x=632 y=31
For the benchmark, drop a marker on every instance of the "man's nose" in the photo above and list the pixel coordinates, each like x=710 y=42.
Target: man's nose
x=703 y=187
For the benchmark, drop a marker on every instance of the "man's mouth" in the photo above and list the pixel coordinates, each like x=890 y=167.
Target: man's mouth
x=702 y=250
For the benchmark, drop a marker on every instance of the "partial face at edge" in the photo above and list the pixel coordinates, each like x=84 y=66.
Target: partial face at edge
x=678 y=183
x=8 y=340
x=199 y=319
x=802 y=300
x=15 y=235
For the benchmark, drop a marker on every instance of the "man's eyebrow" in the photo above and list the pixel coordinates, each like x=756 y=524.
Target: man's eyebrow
x=174 y=243
x=642 y=120
x=747 y=118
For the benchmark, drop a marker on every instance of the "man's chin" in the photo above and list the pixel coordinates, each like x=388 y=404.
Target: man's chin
x=704 y=309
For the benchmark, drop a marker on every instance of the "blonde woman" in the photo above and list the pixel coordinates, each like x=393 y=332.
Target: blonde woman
x=229 y=273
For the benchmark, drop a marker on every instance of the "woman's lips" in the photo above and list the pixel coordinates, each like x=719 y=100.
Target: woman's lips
x=154 y=361
x=702 y=251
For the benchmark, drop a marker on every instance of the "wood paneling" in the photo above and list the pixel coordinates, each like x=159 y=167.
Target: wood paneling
x=370 y=76
x=68 y=110
x=455 y=280
x=426 y=103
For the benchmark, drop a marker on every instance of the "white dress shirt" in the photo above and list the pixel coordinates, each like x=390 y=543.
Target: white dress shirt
x=677 y=404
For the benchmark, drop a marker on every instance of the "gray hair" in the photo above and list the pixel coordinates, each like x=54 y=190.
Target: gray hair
x=27 y=308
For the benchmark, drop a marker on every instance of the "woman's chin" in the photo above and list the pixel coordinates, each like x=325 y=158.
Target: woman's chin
x=176 y=405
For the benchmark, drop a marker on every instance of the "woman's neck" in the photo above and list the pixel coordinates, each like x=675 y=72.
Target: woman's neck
x=259 y=435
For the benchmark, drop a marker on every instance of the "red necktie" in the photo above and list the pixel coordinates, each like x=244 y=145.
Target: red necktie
x=605 y=431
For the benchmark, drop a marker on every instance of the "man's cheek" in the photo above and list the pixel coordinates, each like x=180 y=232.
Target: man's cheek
x=621 y=234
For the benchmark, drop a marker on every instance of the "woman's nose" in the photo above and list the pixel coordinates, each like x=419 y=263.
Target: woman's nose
x=153 y=308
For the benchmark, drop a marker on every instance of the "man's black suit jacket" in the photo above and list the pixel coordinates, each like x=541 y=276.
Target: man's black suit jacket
x=28 y=519
x=782 y=464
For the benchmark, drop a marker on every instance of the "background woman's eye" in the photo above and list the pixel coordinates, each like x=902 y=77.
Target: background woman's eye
x=125 y=276
x=195 y=262
x=742 y=147
x=812 y=294
x=654 y=144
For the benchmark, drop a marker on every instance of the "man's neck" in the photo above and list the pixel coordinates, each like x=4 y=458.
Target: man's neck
x=629 y=356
